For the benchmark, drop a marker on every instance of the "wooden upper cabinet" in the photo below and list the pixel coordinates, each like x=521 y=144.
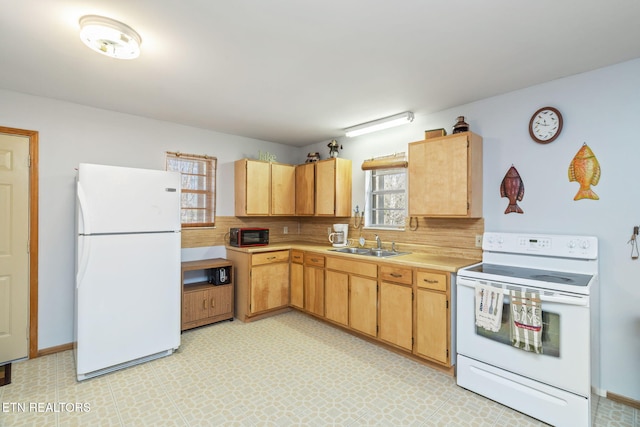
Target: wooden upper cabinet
x=264 y=188
x=252 y=187
x=445 y=176
x=305 y=189
x=283 y=189
x=333 y=187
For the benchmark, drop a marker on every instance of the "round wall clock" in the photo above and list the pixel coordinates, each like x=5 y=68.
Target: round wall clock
x=545 y=125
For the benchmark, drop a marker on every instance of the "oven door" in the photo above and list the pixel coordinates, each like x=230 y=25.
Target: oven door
x=565 y=360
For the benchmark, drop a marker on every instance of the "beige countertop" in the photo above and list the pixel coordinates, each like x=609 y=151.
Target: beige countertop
x=415 y=259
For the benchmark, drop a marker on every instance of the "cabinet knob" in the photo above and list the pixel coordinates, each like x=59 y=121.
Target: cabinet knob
x=213 y=302
x=396 y=275
x=204 y=304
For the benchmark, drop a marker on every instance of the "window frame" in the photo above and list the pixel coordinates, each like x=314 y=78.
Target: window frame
x=370 y=194
x=209 y=176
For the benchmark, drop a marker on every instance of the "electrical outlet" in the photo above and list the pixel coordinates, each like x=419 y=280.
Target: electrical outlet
x=478 y=240
x=285 y=230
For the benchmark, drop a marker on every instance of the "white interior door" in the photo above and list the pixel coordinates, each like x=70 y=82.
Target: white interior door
x=14 y=239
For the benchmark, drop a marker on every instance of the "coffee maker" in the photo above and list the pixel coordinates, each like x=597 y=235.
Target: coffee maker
x=339 y=236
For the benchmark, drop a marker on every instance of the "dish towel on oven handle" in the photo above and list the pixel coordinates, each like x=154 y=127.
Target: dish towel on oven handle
x=488 y=302
x=526 y=321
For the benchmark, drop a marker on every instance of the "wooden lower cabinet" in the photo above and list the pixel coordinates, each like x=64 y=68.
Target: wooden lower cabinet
x=262 y=282
x=433 y=313
x=337 y=297
x=363 y=305
x=405 y=307
x=314 y=283
x=202 y=302
x=396 y=314
x=297 y=279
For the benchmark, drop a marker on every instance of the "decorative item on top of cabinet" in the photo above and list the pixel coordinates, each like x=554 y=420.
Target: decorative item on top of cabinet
x=445 y=176
x=207 y=301
x=262 y=283
x=461 y=125
x=333 y=148
x=264 y=188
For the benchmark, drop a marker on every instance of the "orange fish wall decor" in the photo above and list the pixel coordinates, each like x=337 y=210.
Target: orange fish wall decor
x=585 y=170
x=512 y=187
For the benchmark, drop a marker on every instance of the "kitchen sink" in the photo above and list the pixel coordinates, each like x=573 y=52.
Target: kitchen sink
x=380 y=253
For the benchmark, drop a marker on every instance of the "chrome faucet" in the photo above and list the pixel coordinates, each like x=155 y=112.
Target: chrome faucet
x=378 y=241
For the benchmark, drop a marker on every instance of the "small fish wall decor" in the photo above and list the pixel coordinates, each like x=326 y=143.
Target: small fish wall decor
x=585 y=170
x=512 y=187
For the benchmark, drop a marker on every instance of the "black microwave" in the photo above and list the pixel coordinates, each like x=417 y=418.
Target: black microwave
x=242 y=237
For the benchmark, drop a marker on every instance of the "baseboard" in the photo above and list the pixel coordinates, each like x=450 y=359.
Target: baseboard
x=624 y=400
x=56 y=349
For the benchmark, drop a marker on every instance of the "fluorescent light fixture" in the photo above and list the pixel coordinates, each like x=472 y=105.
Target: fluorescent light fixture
x=109 y=37
x=376 y=125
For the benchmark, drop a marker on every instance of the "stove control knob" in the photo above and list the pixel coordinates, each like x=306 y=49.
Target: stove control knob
x=571 y=244
x=584 y=244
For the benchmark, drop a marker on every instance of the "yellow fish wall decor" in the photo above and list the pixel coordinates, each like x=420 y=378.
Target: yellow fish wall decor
x=585 y=170
x=512 y=187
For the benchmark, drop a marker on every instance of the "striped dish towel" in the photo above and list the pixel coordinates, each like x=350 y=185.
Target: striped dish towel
x=526 y=321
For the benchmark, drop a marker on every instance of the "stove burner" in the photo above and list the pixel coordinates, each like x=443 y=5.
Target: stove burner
x=552 y=278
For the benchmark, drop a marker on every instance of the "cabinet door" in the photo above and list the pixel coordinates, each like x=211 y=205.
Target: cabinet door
x=252 y=187
x=220 y=300
x=396 y=314
x=297 y=285
x=337 y=297
x=325 y=187
x=283 y=189
x=363 y=305
x=432 y=332
x=305 y=189
x=444 y=179
x=314 y=290
x=195 y=306
x=269 y=287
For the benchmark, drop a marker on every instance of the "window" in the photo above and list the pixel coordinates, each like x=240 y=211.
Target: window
x=198 y=199
x=386 y=198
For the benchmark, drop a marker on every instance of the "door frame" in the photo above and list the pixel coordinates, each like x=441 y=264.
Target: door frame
x=33 y=234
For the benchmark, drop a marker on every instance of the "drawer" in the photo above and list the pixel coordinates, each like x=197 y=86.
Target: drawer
x=353 y=267
x=313 y=259
x=396 y=274
x=432 y=280
x=269 y=257
x=296 y=256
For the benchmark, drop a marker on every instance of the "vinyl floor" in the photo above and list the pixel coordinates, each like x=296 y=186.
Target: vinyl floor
x=287 y=370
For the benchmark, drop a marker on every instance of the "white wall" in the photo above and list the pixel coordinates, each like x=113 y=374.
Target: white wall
x=601 y=108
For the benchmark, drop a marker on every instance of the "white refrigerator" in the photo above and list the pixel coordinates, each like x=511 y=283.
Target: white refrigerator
x=128 y=286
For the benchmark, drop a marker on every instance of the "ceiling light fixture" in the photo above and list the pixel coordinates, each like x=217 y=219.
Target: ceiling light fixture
x=109 y=37
x=376 y=125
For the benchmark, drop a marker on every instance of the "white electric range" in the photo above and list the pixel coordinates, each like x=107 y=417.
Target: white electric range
x=553 y=383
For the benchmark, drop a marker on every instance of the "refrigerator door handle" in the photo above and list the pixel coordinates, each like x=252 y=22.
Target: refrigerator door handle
x=84 y=244
x=83 y=259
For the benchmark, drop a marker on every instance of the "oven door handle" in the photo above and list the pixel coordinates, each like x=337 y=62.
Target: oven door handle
x=546 y=296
